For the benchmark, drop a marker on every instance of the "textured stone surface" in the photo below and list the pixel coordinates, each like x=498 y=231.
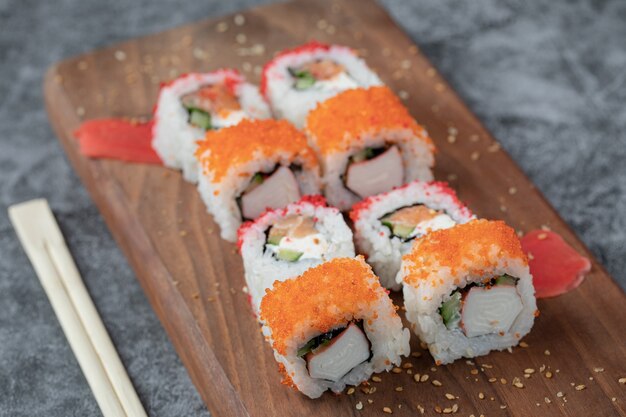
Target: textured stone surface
x=547 y=77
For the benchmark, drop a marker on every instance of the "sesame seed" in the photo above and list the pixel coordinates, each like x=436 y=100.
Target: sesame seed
x=451 y=139
x=613 y=399
x=407 y=365
x=239 y=20
x=598 y=370
x=518 y=384
x=502 y=407
x=416 y=377
x=420 y=409
x=433 y=369
x=475 y=155
x=372 y=390
x=474 y=138
x=622 y=381
x=542 y=368
x=529 y=371
x=406 y=64
x=416 y=354
x=450 y=396
x=221 y=27
x=439 y=87
x=436 y=383
x=447 y=410
x=512 y=190
x=481 y=395
x=403 y=95
x=495 y=147
x=387 y=410
x=351 y=390
x=468 y=362
x=241 y=38
x=547 y=400
x=370 y=401
x=590 y=378
x=359 y=405
x=474 y=372
x=409 y=371
x=376 y=379
x=503 y=381
x=396 y=370
x=492 y=379
x=424 y=378
x=559 y=394
x=580 y=387
x=548 y=374
x=399 y=389
x=438 y=409
x=523 y=344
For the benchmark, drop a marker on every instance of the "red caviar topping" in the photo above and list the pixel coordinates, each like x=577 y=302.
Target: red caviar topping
x=339 y=121
x=251 y=140
x=321 y=298
x=466 y=245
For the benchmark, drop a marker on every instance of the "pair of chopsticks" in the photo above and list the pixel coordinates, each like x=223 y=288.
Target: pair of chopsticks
x=43 y=242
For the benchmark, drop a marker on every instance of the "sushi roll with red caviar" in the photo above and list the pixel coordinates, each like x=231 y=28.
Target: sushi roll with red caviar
x=387 y=224
x=251 y=167
x=283 y=243
x=367 y=143
x=195 y=103
x=297 y=79
x=333 y=326
x=468 y=290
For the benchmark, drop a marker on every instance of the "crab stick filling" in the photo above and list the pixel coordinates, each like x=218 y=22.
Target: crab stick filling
x=410 y=222
x=322 y=74
x=483 y=308
x=212 y=107
x=332 y=355
x=269 y=191
x=374 y=170
x=294 y=238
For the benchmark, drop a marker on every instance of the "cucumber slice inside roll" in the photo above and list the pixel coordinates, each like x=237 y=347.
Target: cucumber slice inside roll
x=450 y=310
x=200 y=118
x=288 y=255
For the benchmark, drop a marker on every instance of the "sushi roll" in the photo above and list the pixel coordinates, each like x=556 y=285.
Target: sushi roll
x=283 y=243
x=367 y=143
x=333 y=326
x=387 y=224
x=468 y=290
x=297 y=79
x=251 y=167
x=194 y=103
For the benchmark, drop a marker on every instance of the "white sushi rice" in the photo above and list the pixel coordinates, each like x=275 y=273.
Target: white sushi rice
x=221 y=197
x=373 y=239
x=383 y=327
x=174 y=138
x=263 y=269
x=417 y=157
x=293 y=105
x=446 y=345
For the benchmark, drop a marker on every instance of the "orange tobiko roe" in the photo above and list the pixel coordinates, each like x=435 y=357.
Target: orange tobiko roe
x=320 y=299
x=337 y=122
x=463 y=246
x=250 y=140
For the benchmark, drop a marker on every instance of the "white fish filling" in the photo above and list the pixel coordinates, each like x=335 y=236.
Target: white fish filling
x=489 y=310
x=345 y=351
x=440 y=221
x=339 y=82
x=232 y=118
x=313 y=246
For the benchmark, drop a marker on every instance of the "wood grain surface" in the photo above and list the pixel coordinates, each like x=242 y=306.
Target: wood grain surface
x=194 y=279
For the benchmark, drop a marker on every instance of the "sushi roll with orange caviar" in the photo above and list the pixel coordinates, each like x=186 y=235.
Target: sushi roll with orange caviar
x=251 y=167
x=386 y=225
x=333 y=326
x=297 y=79
x=283 y=243
x=367 y=143
x=468 y=290
x=194 y=103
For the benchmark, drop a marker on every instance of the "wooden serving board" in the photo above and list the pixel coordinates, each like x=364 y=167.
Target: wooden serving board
x=194 y=279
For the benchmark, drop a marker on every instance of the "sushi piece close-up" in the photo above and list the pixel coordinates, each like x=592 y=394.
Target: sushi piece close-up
x=387 y=224
x=194 y=103
x=333 y=326
x=297 y=79
x=468 y=290
x=251 y=167
x=283 y=243
x=367 y=143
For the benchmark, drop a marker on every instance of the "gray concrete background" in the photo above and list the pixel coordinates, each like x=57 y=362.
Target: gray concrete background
x=547 y=77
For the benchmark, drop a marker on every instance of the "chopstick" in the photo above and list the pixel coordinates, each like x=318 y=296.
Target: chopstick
x=43 y=242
